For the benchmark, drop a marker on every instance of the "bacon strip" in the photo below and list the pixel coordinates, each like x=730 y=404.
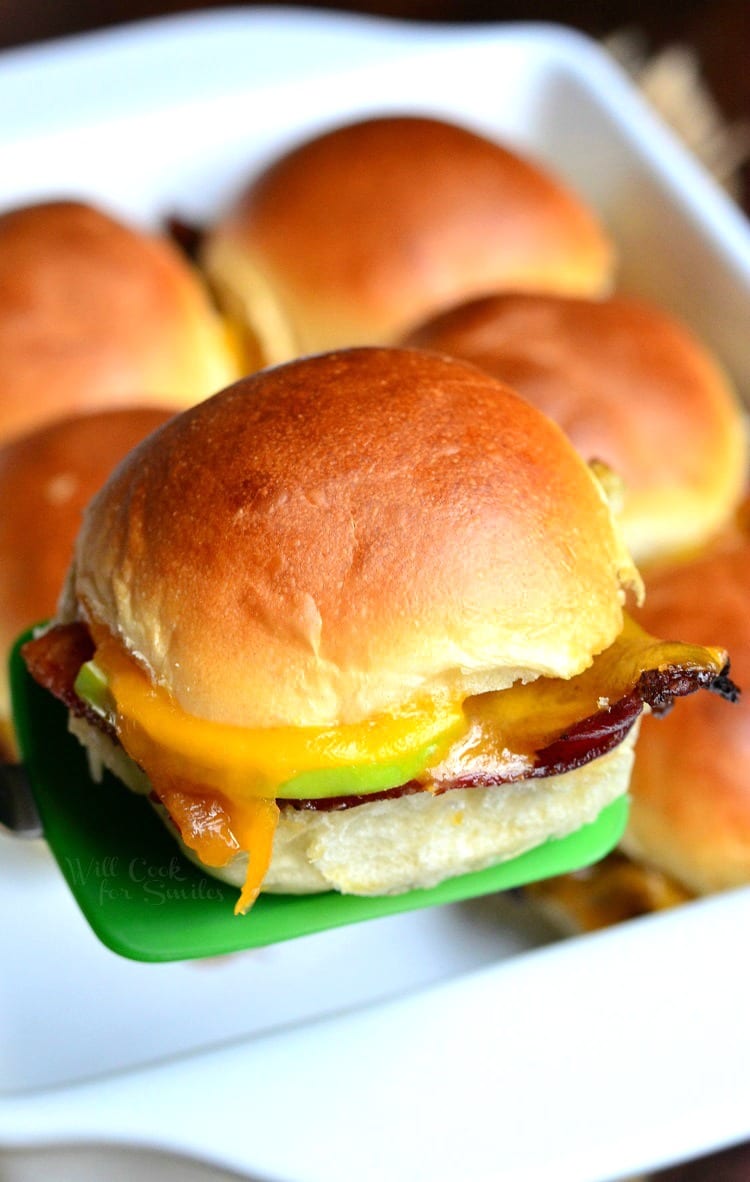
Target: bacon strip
x=660 y=687
x=54 y=658
x=585 y=741
x=588 y=739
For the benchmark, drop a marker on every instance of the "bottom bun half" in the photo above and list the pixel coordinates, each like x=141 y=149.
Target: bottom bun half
x=390 y=846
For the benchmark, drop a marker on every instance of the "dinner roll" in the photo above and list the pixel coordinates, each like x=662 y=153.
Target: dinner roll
x=632 y=387
x=690 y=813
x=46 y=479
x=364 y=230
x=95 y=314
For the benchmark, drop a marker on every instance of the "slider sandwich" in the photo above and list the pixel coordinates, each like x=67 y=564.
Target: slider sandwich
x=361 y=231
x=97 y=314
x=357 y=623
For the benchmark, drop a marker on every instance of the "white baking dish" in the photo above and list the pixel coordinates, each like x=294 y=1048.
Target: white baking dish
x=580 y=1060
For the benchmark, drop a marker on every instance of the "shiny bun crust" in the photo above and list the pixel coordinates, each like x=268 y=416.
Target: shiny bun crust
x=346 y=533
x=46 y=479
x=361 y=232
x=690 y=814
x=631 y=387
x=95 y=314
x=390 y=846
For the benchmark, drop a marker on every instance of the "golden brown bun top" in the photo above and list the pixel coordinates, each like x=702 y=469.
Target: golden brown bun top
x=46 y=479
x=343 y=534
x=362 y=231
x=690 y=814
x=95 y=314
x=630 y=386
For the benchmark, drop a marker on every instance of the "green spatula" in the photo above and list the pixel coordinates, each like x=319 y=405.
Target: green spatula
x=145 y=901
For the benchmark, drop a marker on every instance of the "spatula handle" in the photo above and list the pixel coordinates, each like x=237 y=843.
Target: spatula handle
x=18 y=813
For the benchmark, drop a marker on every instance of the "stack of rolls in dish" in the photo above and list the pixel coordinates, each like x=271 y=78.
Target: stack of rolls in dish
x=347 y=239
x=105 y=330
x=356 y=622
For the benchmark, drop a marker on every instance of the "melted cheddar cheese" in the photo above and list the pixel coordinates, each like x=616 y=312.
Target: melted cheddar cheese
x=220 y=783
